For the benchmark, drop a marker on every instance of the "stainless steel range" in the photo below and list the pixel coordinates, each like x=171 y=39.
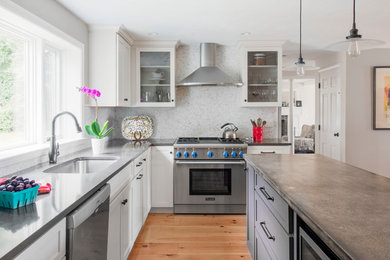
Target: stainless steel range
x=209 y=175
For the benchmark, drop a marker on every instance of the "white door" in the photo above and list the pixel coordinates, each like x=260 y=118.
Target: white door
x=114 y=229
x=123 y=72
x=330 y=113
x=136 y=205
x=125 y=223
x=162 y=176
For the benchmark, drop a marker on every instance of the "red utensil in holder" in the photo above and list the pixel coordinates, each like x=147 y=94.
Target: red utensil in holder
x=257 y=134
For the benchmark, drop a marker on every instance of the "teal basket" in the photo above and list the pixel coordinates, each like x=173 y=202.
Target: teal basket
x=13 y=200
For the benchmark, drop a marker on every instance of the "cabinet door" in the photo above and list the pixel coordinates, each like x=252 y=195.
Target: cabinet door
x=251 y=210
x=114 y=229
x=155 y=77
x=50 y=245
x=162 y=176
x=125 y=223
x=136 y=205
x=145 y=194
x=123 y=72
x=262 y=76
x=261 y=252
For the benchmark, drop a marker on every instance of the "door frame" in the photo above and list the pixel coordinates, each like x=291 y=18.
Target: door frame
x=342 y=81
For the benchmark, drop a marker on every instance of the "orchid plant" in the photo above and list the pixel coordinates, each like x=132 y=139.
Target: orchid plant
x=94 y=129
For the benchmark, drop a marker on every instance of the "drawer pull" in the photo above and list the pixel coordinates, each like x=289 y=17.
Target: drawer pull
x=140 y=176
x=124 y=202
x=266 y=231
x=268 y=152
x=139 y=164
x=265 y=193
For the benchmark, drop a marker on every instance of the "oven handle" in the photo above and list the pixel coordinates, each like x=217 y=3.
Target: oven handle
x=209 y=162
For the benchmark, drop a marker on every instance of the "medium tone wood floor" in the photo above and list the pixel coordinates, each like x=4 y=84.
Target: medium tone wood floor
x=191 y=237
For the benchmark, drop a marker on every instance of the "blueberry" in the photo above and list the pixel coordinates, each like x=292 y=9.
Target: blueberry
x=7 y=181
x=28 y=186
x=19 y=188
x=10 y=188
x=14 y=177
x=20 y=178
x=34 y=184
x=14 y=183
x=32 y=181
x=26 y=181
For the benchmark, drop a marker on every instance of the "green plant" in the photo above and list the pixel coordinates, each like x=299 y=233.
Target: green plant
x=94 y=130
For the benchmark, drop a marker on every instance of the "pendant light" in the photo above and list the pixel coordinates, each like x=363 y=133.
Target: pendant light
x=300 y=66
x=354 y=42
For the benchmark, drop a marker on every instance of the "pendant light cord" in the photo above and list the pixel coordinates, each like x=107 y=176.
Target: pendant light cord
x=300 y=29
x=354 y=21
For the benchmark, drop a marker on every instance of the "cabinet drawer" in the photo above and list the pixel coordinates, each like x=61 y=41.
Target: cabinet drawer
x=263 y=149
x=274 y=237
x=140 y=162
x=119 y=181
x=261 y=250
x=271 y=198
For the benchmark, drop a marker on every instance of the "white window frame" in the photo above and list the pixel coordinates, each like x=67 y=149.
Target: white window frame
x=38 y=152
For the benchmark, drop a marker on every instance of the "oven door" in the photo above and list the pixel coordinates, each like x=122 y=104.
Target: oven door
x=209 y=182
x=308 y=249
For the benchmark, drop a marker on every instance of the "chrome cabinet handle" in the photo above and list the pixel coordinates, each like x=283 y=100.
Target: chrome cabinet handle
x=265 y=193
x=144 y=159
x=266 y=231
x=139 y=164
x=268 y=152
x=140 y=176
x=124 y=202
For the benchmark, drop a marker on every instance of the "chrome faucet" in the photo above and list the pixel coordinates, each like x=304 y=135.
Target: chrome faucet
x=54 y=146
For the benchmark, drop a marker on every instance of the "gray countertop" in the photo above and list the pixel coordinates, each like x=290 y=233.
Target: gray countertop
x=21 y=227
x=266 y=141
x=347 y=207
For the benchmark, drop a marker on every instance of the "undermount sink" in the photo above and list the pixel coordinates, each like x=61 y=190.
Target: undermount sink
x=83 y=165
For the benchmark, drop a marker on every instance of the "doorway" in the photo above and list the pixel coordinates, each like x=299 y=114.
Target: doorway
x=304 y=116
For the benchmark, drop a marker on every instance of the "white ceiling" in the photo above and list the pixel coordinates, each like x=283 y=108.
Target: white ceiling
x=223 y=21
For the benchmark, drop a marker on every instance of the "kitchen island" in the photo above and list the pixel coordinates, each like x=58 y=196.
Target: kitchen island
x=347 y=207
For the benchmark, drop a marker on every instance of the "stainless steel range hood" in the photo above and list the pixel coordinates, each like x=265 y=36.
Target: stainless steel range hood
x=208 y=74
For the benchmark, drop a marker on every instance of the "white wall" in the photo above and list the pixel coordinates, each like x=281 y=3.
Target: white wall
x=365 y=148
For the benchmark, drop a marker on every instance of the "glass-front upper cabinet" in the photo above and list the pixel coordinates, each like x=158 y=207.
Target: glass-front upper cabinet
x=261 y=74
x=155 y=77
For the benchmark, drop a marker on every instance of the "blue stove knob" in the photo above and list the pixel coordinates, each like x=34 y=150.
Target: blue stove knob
x=194 y=154
x=234 y=154
x=226 y=154
x=186 y=154
x=242 y=154
x=178 y=154
x=210 y=154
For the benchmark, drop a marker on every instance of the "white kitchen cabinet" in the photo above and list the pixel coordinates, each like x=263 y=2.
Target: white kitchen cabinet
x=136 y=204
x=162 y=176
x=155 y=74
x=261 y=73
x=120 y=239
x=51 y=245
x=110 y=65
x=146 y=185
x=269 y=149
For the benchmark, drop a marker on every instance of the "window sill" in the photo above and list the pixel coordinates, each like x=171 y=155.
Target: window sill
x=28 y=156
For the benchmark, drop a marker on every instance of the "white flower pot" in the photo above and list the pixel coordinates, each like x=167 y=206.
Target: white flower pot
x=98 y=145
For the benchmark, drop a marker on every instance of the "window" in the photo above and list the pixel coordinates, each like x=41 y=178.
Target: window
x=39 y=73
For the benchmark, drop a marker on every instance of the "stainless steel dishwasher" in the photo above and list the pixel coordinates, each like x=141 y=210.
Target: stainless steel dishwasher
x=87 y=228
